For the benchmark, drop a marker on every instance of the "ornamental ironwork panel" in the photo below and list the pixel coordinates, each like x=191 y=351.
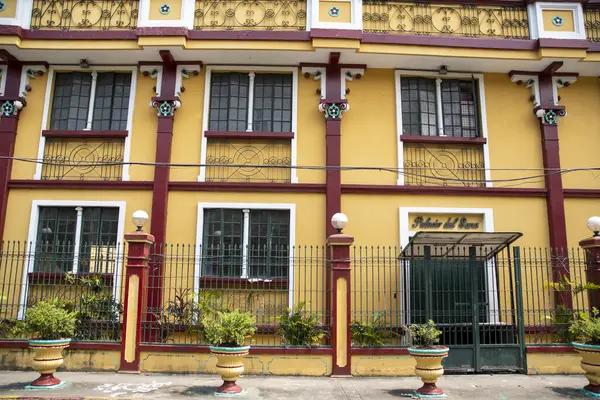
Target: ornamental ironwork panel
x=591 y=17
x=250 y=15
x=69 y=15
x=84 y=159
x=248 y=161
x=445 y=20
x=443 y=165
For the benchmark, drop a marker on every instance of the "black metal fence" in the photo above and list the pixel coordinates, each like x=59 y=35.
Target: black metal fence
x=87 y=279
x=283 y=287
x=472 y=294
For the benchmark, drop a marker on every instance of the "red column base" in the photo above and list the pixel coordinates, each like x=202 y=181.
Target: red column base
x=592 y=388
x=430 y=389
x=46 y=380
x=229 y=387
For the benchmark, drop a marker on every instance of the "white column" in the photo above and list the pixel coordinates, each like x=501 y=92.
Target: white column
x=251 y=75
x=438 y=102
x=77 y=238
x=88 y=125
x=245 y=242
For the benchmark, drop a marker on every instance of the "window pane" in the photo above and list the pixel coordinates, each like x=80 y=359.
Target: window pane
x=269 y=244
x=222 y=244
x=460 y=108
x=55 y=239
x=419 y=111
x=97 y=250
x=272 y=103
x=228 y=102
x=71 y=100
x=111 y=102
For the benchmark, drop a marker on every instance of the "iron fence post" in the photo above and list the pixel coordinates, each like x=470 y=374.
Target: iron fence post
x=520 y=309
x=340 y=271
x=136 y=282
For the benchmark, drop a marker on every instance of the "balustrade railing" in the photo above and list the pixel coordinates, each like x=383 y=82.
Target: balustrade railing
x=83 y=159
x=445 y=20
x=443 y=165
x=252 y=161
x=591 y=17
x=250 y=15
x=84 y=14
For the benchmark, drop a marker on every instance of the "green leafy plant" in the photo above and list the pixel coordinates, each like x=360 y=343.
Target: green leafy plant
x=47 y=320
x=229 y=328
x=299 y=327
x=424 y=336
x=371 y=334
x=586 y=328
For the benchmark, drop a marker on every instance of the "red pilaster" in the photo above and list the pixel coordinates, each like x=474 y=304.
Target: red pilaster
x=340 y=271
x=555 y=202
x=166 y=104
x=333 y=196
x=591 y=247
x=135 y=298
x=8 y=136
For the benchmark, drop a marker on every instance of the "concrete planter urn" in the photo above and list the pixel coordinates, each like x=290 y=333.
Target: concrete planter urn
x=48 y=357
x=429 y=368
x=230 y=365
x=590 y=363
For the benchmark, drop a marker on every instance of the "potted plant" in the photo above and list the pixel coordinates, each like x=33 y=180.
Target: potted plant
x=586 y=332
x=428 y=356
x=50 y=327
x=227 y=334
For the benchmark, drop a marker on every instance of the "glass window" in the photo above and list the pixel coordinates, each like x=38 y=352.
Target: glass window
x=268 y=243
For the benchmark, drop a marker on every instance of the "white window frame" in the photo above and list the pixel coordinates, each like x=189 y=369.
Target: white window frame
x=249 y=70
x=245 y=206
x=3 y=74
x=48 y=99
x=32 y=237
x=434 y=74
x=406 y=233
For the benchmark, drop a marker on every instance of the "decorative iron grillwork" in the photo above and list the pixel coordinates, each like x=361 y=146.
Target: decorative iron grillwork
x=250 y=14
x=455 y=20
x=443 y=165
x=255 y=161
x=592 y=23
x=84 y=159
x=85 y=14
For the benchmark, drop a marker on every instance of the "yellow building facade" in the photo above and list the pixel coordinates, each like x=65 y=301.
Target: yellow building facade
x=241 y=128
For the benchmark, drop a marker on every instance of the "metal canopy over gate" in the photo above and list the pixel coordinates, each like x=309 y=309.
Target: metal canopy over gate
x=469 y=285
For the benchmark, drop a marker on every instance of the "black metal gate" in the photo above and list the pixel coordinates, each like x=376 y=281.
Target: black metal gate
x=474 y=296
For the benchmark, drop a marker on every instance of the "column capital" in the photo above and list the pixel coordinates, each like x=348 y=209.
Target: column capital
x=591 y=242
x=333 y=108
x=139 y=237
x=165 y=106
x=340 y=239
x=10 y=106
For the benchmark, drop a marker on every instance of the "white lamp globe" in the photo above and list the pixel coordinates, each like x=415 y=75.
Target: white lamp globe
x=594 y=225
x=139 y=218
x=339 y=221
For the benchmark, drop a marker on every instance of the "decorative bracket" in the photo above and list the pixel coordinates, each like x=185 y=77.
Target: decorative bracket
x=154 y=72
x=185 y=72
x=349 y=75
x=333 y=109
x=559 y=82
x=318 y=74
x=29 y=72
x=165 y=107
x=532 y=82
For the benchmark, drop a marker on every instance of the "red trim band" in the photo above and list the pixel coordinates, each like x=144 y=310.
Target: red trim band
x=549 y=349
x=249 y=135
x=379 y=351
x=84 y=134
x=441 y=139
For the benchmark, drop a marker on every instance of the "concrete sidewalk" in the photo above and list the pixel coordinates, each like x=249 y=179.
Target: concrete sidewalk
x=90 y=385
